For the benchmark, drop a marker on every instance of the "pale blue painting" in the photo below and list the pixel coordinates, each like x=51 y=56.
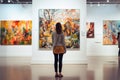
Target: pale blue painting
x=110 y=31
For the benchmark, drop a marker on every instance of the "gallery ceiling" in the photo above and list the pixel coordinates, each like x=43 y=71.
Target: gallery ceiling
x=88 y=1
x=15 y=1
x=103 y=1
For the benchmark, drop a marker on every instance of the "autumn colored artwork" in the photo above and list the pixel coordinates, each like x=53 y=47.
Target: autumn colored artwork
x=18 y=32
x=70 y=20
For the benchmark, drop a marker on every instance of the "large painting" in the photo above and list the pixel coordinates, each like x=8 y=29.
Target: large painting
x=90 y=29
x=16 y=32
x=70 y=20
x=110 y=30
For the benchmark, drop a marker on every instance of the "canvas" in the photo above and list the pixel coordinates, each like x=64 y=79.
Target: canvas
x=90 y=29
x=110 y=31
x=16 y=32
x=70 y=20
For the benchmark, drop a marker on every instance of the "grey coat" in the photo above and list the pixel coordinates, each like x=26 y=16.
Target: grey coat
x=58 y=39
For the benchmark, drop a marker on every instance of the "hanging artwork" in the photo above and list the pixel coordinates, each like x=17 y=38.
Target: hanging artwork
x=70 y=20
x=110 y=30
x=90 y=29
x=18 y=32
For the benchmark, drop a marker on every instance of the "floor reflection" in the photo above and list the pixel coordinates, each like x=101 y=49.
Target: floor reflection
x=118 y=74
x=15 y=73
x=97 y=69
x=70 y=72
x=90 y=75
x=57 y=78
x=112 y=71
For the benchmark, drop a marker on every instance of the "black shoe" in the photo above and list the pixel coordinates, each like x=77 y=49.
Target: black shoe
x=56 y=75
x=60 y=75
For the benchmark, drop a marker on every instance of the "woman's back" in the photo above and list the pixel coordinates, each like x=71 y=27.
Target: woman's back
x=58 y=39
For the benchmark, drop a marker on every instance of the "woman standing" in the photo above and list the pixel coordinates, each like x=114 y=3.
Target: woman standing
x=118 y=38
x=59 y=42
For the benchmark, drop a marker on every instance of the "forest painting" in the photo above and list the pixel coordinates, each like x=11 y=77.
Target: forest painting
x=70 y=20
x=16 y=32
x=110 y=31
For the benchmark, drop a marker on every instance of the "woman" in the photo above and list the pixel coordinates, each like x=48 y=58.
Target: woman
x=118 y=38
x=58 y=40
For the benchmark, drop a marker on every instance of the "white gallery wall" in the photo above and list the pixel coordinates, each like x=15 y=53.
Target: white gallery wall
x=15 y=12
x=97 y=14
x=46 y=56
x=88 y=47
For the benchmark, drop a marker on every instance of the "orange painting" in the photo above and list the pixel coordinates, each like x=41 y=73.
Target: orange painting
x=18 y=32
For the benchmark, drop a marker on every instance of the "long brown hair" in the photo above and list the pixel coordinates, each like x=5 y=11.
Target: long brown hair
x=58 y=28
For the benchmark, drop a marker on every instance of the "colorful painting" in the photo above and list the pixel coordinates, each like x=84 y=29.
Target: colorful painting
x=90 y=29
x=110 y=30
x=18 y=32
x=70 y=20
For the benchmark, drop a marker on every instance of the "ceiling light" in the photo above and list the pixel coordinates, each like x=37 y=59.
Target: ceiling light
x=108 y=1
x=8 y=1
x=98 y=3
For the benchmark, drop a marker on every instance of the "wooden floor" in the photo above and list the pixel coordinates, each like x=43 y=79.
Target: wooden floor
x=98 y=68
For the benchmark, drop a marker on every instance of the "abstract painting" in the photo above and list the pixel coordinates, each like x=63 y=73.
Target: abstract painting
x=70 y=20
x=16 y=32
x=90 y=29
x=110 y=31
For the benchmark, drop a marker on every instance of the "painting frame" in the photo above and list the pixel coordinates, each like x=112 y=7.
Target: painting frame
x=16 y=32
x=53 y=22
x=90 y=30
x=110 y=31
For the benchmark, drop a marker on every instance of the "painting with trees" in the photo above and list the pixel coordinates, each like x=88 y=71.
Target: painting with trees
x=70 y=20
